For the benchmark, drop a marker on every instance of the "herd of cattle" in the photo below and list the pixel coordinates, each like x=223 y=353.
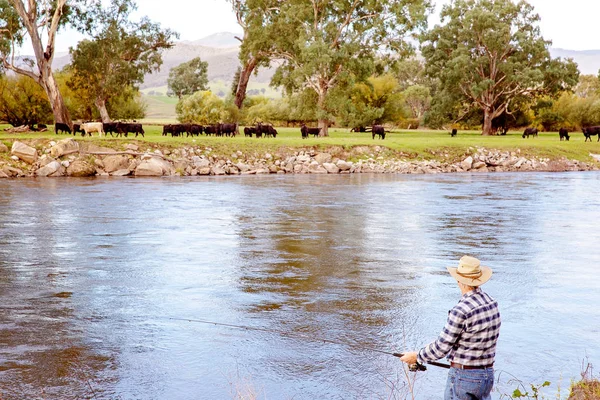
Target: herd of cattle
x=563 y=133
x=259 y=130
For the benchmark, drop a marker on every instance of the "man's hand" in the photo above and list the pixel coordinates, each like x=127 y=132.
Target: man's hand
x=409 y=357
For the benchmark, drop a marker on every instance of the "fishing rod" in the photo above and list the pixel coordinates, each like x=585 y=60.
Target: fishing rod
x=412 y=367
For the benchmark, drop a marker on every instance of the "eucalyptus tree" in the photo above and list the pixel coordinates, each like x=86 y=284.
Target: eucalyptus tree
x=486 y=54
x=188 y=78
x=119 y=53
x=254 y=17
x=322 y=44
x=40 y=21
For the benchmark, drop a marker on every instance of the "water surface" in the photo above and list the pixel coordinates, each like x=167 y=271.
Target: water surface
x=99 y=279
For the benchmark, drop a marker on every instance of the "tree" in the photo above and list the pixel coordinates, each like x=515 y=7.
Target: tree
x=40 y=20
x=119 y=55
x=376 y=101
x=23 y=101
x=488 y=53
x=418 y=99
x=187 y=78
x=253 y=17
x=324 y=44
x=205 y=108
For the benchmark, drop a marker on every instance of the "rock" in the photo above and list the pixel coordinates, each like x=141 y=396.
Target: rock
x=218 y=171
x=80 y=168
x=89 y=147
x=12 y=172
x=316 y=169
x=24 y=152
x=204 y=171
x=65 y=163
x=201 y=163
x=3 y=148
x=242 y=167
x=45 y=160
x=322 y=158
x=263 y=171
x=121 y=172
x=131 y=147
x=467 y=163
x=520 y=162
x=154 y=166
x=65 y=146
x=343 y=165
x=331 y=168
x=115 y=163
x=3 y=174
x=594 y=156
x=52 y=169
x=297 y=168
x=479 y=165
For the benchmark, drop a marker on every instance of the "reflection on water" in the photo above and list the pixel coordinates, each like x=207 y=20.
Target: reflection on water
x=98 y=277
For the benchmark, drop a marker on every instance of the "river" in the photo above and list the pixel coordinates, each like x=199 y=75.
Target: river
x=104 y=283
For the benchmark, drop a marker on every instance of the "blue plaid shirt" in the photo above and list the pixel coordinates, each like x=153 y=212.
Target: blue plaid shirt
x=470 y=334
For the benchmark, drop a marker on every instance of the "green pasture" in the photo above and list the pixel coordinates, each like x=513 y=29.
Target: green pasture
x=409 y=144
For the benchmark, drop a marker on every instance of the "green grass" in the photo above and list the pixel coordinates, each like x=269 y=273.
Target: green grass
x=414 y=144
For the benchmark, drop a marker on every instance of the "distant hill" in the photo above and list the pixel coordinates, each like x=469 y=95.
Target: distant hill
x=221 y=52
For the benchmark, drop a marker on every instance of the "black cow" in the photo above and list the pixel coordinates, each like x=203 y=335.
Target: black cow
x=228 y=129
x=195 y=129
x=167 y=129
x=124 y=128
x=61 y=127
x=305 y=131
x=267 y=130
x=591 y=131
x=379 y=131
x=212 y=130
x=358 y=129
x=454 y=132
x=110 y=127
x=530 y=132
x=564 y=134
x=249 y=131
x=77 y=129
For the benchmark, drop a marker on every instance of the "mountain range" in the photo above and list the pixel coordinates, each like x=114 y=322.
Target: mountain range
x=221 y=52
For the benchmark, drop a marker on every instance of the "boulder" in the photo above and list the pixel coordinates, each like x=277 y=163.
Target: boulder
x=131 y=147
x=24 y=152
x=322 y=158
x=80 y=168
x=204 y=171
x=218 y=171
x=154 y=167
x=3 y=148
x=3 y=174
x=115 y=163
x=201 y=163
x=343 y=165
x=467 y=163
x=121 y=172
x=54 y=168
x=65 y=146
x=331 y=168
x=12 y=172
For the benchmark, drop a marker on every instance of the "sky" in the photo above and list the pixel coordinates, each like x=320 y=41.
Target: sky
x=571 y=24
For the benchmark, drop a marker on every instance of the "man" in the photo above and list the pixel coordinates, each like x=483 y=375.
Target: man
x=468 y=338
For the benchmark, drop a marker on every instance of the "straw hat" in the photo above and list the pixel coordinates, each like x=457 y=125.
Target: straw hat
x=470 y=272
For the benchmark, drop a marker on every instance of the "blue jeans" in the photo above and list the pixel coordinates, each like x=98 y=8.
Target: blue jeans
x=469 y=384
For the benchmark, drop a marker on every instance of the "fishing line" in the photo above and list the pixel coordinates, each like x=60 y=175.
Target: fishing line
x=302 y=336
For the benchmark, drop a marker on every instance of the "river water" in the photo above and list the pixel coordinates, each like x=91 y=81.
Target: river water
x=104 y=283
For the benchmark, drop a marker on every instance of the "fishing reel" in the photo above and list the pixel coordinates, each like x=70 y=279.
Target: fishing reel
x=417 y=367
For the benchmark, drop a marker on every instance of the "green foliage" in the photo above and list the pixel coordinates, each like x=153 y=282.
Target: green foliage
x=418 y=100
x=204 y=108
x=11 y=30
x=535 y=392
x=188 y=78
x=120 y=53
x=487 y=55
x=23 y=101
x=261 y=109
x=326 y=44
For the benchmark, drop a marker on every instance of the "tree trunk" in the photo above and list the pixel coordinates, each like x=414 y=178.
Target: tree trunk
x=240 y=94
x=59 y=109
x=487 y=122
x=323 y=122
x=43 y=54
x=101 y=106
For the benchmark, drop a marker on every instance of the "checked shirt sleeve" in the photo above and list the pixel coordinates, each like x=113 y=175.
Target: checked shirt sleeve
x=446 y=340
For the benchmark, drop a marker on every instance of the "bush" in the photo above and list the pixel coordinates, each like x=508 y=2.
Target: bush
x=23 y=102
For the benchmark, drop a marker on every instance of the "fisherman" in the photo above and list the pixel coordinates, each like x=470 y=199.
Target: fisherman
x=468 y=338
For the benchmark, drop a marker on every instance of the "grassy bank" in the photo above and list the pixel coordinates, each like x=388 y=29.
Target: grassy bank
x=411 y=145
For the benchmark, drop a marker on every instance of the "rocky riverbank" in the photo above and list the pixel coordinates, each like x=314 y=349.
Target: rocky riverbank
x=69 y=157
